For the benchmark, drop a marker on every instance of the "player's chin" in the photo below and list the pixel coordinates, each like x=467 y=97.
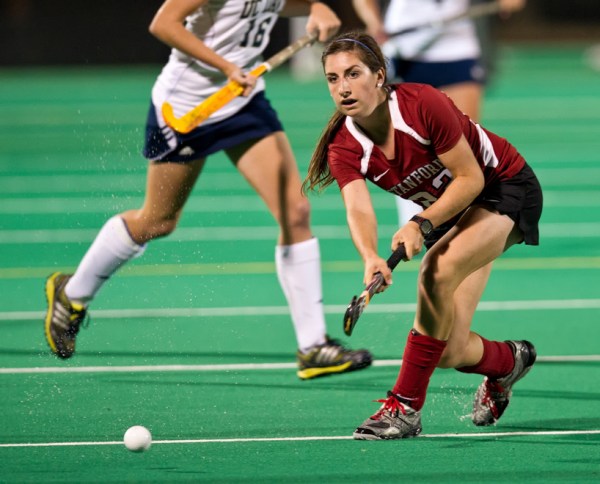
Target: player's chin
x=349 y=109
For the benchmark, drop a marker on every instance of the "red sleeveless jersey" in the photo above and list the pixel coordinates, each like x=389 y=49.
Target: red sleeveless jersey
x=426 y=123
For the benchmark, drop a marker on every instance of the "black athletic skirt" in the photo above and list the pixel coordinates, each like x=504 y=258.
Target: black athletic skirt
x=520 y=198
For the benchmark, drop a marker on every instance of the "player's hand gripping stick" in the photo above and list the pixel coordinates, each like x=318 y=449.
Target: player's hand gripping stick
x=230 y=91
x=359 y=303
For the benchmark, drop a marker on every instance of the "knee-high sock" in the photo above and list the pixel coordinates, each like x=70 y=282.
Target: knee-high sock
x=299 y=273
x=497 y=360
x=112 y=248
x=421 y=356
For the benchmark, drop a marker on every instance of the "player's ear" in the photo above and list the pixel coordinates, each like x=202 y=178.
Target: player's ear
x=380 y=78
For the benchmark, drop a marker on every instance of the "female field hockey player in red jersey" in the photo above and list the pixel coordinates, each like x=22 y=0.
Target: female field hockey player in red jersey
x=478 y=197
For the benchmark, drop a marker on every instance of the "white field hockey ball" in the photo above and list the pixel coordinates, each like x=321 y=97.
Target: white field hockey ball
x=137 y=438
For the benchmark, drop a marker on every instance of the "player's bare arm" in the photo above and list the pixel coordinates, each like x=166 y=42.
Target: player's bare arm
x=369 y=12
x=362 y=222
x=508 y=7
x=168 y=26
x=467 y=183
x=321 y=18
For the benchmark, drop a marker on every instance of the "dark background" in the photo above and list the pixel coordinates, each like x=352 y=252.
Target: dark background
x=49 y=32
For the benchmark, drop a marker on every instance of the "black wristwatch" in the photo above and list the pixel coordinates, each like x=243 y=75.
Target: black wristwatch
x=425 y=226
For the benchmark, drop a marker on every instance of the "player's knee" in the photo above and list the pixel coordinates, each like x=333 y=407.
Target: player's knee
x=298 y=216
x=437 y=279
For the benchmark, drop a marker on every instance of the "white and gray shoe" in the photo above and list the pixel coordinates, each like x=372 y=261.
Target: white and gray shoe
x=492 y=396
x=394 y=420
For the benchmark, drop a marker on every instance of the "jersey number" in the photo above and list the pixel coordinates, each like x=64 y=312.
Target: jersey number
x=426 y=199
x=254 y=39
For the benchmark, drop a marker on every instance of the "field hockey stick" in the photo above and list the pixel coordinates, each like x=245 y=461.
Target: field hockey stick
x=359 y=303
x=480 y=10
x=226 y=94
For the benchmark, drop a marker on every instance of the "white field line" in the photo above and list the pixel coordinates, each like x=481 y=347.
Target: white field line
x=200 y=234
x=541 y=433
x=216 y=182
x=268 y=267
x=234 y=366
x=236 y=203
x=375 y=308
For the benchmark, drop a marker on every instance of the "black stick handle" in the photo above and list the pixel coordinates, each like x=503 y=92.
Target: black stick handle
x=398 y=255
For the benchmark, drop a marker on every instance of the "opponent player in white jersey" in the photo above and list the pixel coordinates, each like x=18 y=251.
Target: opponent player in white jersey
x=215 y=41
x=478 y=197
x=447 y=56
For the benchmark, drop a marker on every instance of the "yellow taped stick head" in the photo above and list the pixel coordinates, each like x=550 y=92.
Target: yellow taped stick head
x=170 y=119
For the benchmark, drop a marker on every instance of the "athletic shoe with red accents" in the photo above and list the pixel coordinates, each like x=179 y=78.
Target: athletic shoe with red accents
x=394 y=420
x=492 y=396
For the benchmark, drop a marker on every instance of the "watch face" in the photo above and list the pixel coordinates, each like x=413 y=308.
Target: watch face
x=426 y=227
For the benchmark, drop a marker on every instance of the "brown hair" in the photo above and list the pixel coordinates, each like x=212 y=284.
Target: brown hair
x=319 y=177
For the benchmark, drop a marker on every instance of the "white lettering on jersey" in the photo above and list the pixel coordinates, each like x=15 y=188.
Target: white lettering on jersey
x=417 y=177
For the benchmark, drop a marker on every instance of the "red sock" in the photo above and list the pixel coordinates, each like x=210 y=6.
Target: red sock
x=421 y=356
x=497 y=360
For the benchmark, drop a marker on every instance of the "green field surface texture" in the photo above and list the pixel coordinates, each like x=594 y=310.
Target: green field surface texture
x=194 y=340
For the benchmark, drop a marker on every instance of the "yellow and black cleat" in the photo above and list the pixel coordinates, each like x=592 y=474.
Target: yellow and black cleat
x=63 y=317
x=330 y=358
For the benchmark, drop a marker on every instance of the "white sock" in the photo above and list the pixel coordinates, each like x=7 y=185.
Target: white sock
x=299 y=272
x=112 y=248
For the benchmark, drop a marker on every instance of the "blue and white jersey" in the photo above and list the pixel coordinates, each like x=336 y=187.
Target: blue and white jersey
x=237 y=30
x=451 y=42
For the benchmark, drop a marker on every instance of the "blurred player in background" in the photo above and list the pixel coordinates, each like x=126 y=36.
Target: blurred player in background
x=478 y=197
x=448 y=57
x=214 y=42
